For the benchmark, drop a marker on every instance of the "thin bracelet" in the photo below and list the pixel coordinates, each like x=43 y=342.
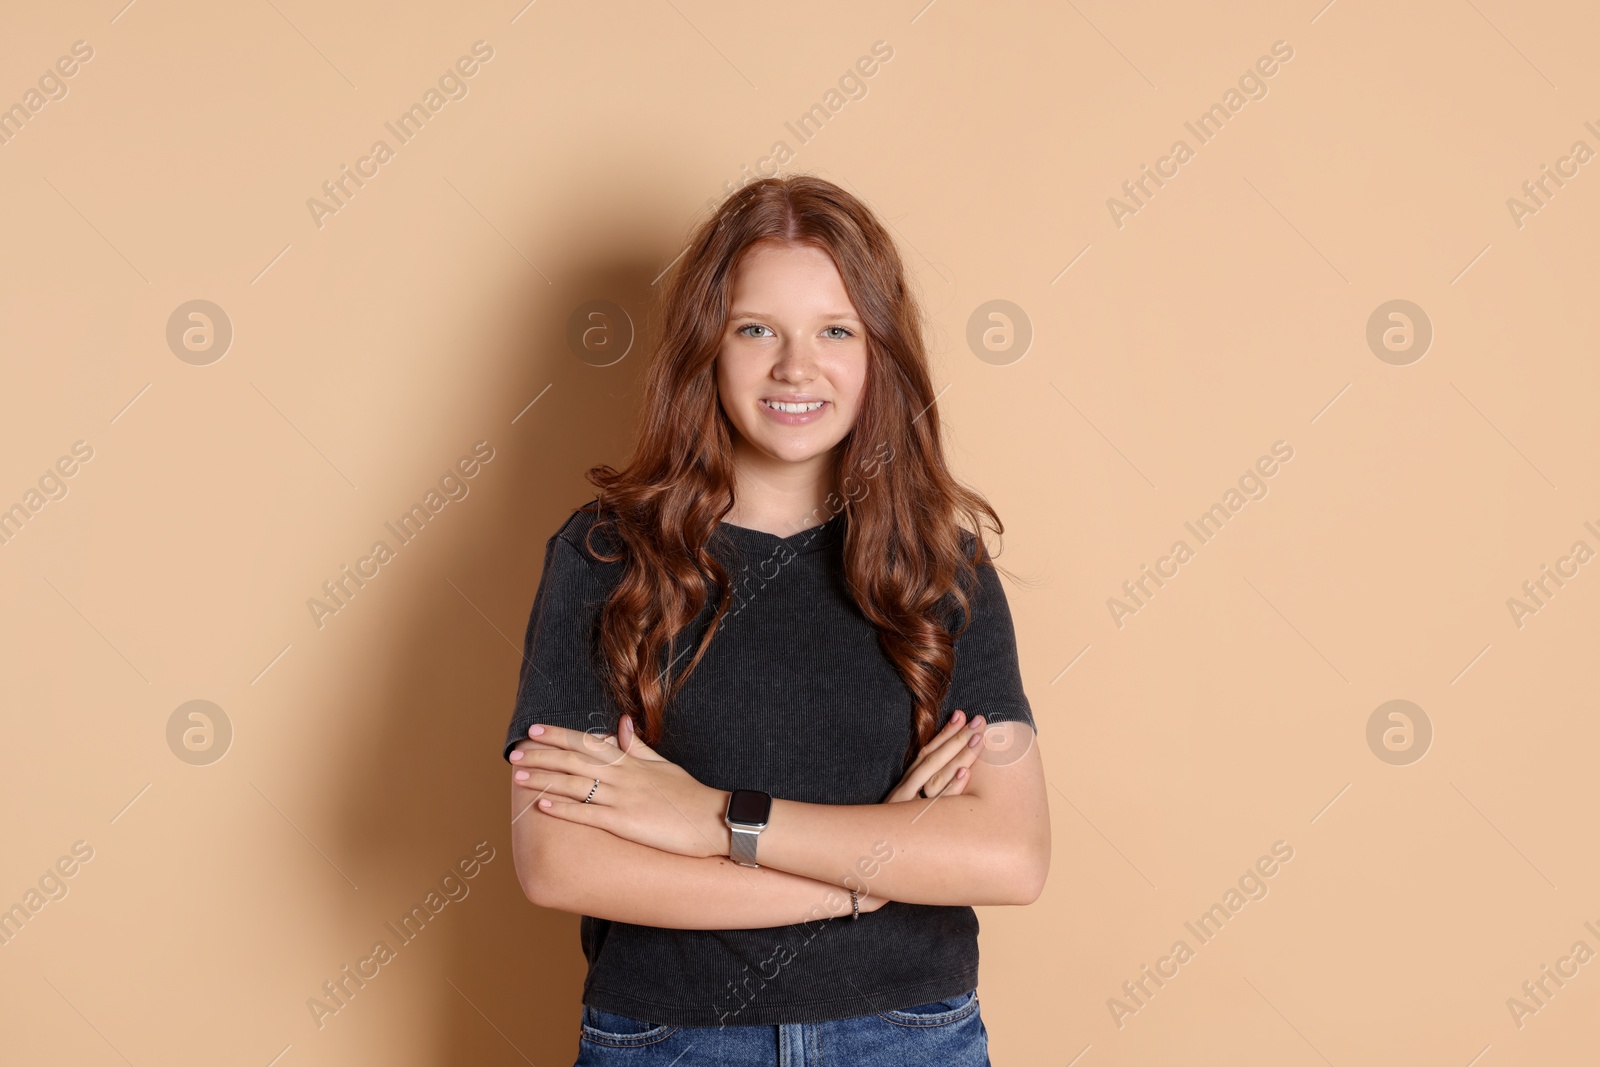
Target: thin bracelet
x=855 y=905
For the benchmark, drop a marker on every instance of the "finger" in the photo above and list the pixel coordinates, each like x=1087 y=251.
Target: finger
x=546 y=783
x=956 y=771
x=574 y=811
x=956 y=744
x=558 y=736
x=563 y=761
x=527 y=744
x=914 y=780
x=592 y=741
x=929 y=759
x=935 y=755
x=628 y=740
x=954 y=754
x=594 y=747
x=921 y=780
x=947 y=742
x=958 y=719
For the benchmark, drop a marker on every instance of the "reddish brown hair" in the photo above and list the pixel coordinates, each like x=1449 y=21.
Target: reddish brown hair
x=905 y=560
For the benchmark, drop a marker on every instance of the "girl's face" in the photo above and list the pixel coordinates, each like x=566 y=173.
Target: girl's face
x=793 y=360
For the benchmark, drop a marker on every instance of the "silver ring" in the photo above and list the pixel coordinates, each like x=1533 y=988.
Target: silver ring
x=592 y=788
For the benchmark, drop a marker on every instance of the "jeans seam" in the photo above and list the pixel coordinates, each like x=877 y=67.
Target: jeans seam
x=950 y=1018
x=610 y=1040
x=597 y=1036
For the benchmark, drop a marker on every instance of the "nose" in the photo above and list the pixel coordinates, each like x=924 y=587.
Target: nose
x=795 y=363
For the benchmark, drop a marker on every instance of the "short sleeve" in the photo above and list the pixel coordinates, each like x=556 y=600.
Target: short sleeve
x=559 y=685
x=987 y=679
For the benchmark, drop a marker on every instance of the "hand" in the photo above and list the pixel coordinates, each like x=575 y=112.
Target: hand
x=940 y=768
x=520 y=750
x=641 y=796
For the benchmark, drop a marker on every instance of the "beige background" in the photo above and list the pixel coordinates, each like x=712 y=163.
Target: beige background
x=1227 y=314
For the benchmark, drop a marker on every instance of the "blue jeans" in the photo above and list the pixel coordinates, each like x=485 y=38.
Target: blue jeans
x=945 y=1033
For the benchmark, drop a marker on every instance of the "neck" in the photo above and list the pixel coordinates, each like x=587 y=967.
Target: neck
x=777 y=496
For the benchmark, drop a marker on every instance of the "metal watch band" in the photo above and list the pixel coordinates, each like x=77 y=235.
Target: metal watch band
x=742 y=846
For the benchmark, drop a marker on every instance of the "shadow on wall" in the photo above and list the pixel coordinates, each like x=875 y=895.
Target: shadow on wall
x=504 y=978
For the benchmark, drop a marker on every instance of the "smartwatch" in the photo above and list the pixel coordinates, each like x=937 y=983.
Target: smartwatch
x=747 y=814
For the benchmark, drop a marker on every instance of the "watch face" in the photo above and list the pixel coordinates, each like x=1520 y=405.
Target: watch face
x=749 y=806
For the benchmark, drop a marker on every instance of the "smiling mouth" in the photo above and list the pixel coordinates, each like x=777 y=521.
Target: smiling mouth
x=800 y=408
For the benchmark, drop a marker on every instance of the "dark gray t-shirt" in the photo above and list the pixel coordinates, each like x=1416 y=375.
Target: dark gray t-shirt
x=794 y=697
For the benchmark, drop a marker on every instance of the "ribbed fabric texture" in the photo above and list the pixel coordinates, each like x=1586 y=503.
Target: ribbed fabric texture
x=794 y=697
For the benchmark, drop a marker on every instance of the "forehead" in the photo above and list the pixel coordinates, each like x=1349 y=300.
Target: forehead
x=798 y=279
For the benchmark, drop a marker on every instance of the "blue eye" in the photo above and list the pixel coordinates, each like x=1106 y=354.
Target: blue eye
x=846 y=332
x=751 y=326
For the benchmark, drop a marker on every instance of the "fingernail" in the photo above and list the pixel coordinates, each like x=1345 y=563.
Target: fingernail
x=958 y=716
x=544 y=804
x=961 y=772
x=535 y=731
x=516 y=754
x=521 y=776
x=975 y=723
x=977 y=739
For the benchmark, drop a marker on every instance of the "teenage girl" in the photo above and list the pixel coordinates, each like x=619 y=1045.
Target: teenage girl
x=770 y=738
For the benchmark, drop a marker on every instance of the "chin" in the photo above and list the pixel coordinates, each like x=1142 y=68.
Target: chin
x=791 y=451
x=797 y=455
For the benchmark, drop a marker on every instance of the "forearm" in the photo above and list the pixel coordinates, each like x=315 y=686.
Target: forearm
x=585 y=870
x=952 y=850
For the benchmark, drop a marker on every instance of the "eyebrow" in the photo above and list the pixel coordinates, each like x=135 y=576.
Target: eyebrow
x=846 y=315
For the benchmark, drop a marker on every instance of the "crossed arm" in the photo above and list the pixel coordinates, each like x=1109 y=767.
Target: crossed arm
x=651 y=848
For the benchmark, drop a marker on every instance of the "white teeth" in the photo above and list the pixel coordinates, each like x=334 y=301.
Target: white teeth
x=794 y=409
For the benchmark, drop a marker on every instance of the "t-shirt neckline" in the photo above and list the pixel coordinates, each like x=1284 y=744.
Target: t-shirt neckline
x=811 y=539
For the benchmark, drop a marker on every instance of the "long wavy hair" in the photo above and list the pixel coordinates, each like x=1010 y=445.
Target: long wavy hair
x=905 y=552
